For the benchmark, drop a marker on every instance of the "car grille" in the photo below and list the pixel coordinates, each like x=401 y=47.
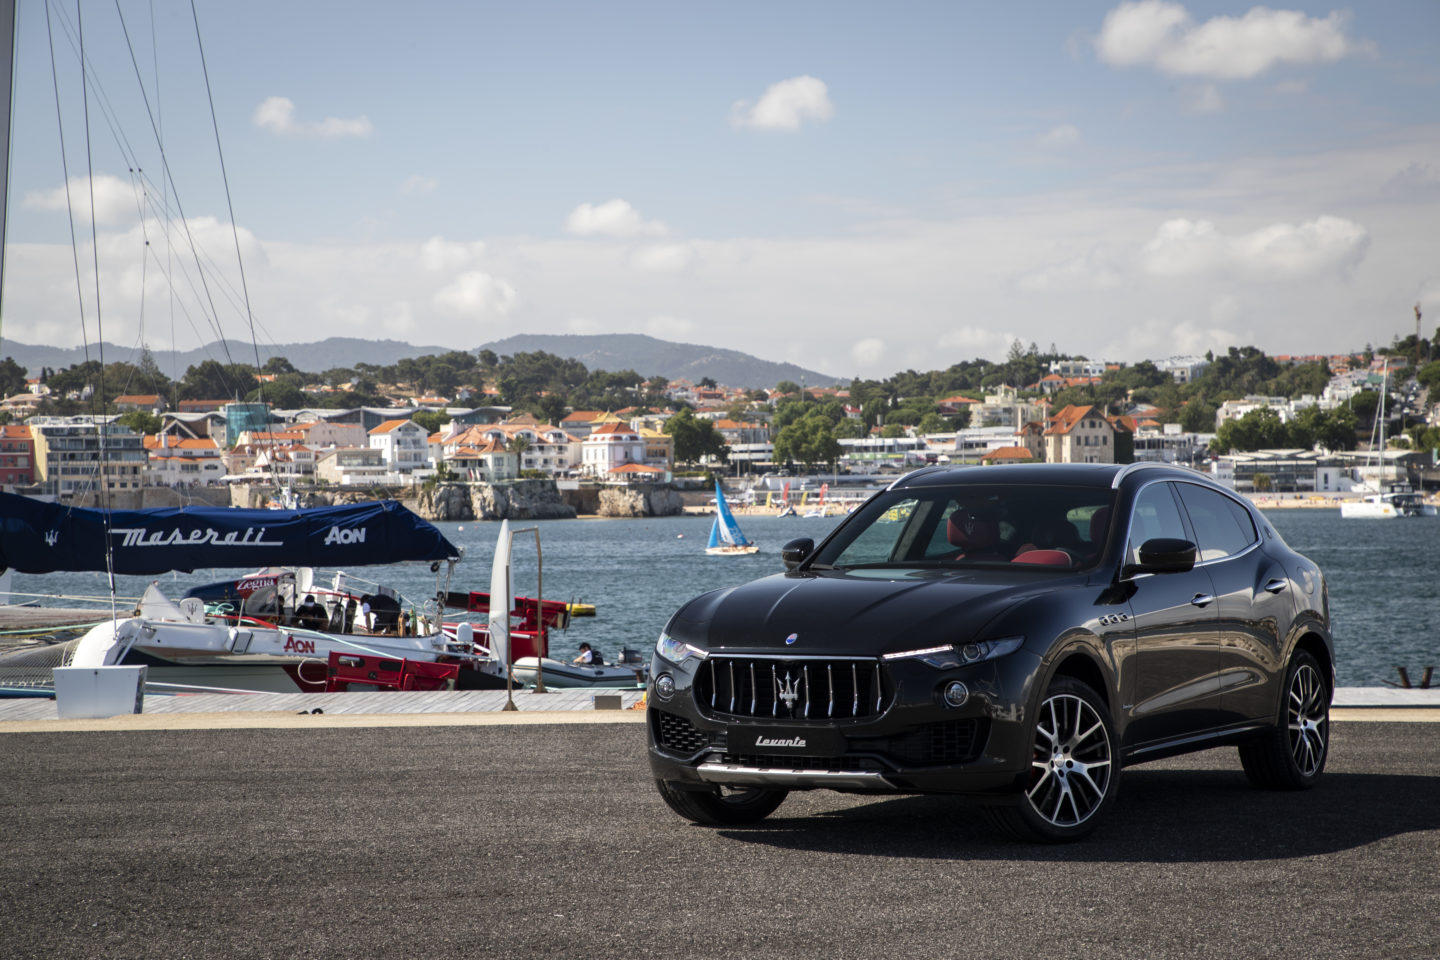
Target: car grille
x=677 y=734
x=792 y=689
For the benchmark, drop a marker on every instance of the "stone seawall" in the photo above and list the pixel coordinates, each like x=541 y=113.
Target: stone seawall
x=650 y=500
x=516 y=500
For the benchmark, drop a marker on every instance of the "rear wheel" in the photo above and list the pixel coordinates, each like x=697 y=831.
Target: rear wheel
x=1292 y=755
x=726 y=807
x=1074 y=769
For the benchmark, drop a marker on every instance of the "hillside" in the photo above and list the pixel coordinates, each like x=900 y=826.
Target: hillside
x=315 y=357
x=626 y=351
x=649 y=357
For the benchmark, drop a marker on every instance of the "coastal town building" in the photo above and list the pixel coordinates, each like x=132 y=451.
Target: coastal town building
x=347 y=466
x=1169 y=443
x=17 y=456
x=486 y=462
x=1282 y=471
x=187 y=462
x=608 y=447
x=404 y=445
x=1183 y=369
x=77 y=454
x=147 y=402
x=1080 y=434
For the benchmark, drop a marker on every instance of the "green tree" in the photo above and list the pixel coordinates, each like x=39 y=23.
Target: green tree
x=695 y=438
x=809 y=440
x=12 y=377
x=431 y=420
x=1257 y=430
x=141 y=421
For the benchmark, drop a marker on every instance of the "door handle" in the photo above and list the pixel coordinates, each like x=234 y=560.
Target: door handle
x=1201 y=599
x=1276 y=585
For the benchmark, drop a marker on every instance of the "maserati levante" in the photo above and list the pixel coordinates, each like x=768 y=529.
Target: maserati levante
x=1017 y=634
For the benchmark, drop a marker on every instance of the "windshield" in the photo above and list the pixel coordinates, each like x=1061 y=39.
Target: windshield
x=1031 y=525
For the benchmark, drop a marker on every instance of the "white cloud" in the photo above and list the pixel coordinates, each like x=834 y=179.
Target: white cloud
x=785 y=105
x=1416 y=181
x=439 y=255
x=1094 y=270
x=584 y=326
x=418 y=184
x=663 y=257
x=1192 y=248
x=1203 y=99
x=1162 y=35
x=670 y=328
x=613 y=218
x=868 y=352
x=116 y=200
x=476 y=294
x=277 y=114
x=1064 y=135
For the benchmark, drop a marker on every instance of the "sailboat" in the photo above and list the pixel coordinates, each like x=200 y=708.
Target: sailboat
x=1400 y=500
x=725 y=536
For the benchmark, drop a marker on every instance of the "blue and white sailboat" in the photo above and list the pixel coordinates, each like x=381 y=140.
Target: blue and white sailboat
x=725 y=536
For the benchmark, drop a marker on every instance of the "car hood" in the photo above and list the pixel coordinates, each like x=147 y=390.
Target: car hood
x=851 y=614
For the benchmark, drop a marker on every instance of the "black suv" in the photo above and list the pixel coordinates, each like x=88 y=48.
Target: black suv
x=1014 y=633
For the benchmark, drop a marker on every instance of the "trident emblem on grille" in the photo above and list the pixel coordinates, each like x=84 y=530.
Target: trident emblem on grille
x=790 y=691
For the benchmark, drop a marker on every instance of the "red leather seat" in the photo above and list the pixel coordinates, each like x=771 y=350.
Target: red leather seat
x=1052 y=558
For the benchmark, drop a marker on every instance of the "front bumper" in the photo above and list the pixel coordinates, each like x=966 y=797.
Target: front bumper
x=913 y=743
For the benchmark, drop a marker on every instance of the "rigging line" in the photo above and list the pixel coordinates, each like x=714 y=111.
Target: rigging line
x=235 y=233
x=170 y=180
x=10 y=149
x=100 y=429
x=65 y=172
x=117 y=132
x=165 y=197
x=225 y=179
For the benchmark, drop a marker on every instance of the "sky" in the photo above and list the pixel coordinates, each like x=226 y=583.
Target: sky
x=858 y=188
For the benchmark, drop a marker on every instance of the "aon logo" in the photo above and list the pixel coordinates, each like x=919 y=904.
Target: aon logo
x=337 y=535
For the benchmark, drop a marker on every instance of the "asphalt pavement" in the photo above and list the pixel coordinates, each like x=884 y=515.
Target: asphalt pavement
x=549 y=841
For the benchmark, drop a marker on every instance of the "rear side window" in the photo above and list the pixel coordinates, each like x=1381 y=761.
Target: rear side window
x=1222 y=527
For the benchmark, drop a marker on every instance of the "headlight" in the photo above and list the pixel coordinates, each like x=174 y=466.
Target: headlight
x=950 y=655
x=677 y=651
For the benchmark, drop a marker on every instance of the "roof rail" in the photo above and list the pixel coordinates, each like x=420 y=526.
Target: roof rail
x=1130 y=468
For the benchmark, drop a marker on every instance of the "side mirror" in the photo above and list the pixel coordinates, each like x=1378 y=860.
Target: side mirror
x=1163 y=555
x=795 y=552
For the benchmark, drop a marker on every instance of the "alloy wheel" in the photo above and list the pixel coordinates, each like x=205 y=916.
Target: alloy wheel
x=1071 y=764
x=1308 y=718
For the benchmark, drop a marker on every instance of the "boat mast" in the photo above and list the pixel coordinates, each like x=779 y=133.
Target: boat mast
x=7 y=104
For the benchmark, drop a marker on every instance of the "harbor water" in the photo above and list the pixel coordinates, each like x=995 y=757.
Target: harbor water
x=1384 y=578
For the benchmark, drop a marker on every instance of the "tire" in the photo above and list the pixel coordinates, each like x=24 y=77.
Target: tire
x=1292 y=755
x=1075 y=768
x=723 y=808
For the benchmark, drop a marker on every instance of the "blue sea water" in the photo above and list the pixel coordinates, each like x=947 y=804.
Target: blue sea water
x=1384 y=577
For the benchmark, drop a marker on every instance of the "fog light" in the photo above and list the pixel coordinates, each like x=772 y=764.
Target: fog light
x=956 y=694
x=664 y=686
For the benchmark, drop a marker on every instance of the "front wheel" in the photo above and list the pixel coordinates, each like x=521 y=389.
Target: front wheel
x=1074 y=768
x=1292 y=755
x=726 y=807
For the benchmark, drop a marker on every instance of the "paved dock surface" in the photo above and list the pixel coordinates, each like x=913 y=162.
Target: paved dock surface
x=549 y=841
